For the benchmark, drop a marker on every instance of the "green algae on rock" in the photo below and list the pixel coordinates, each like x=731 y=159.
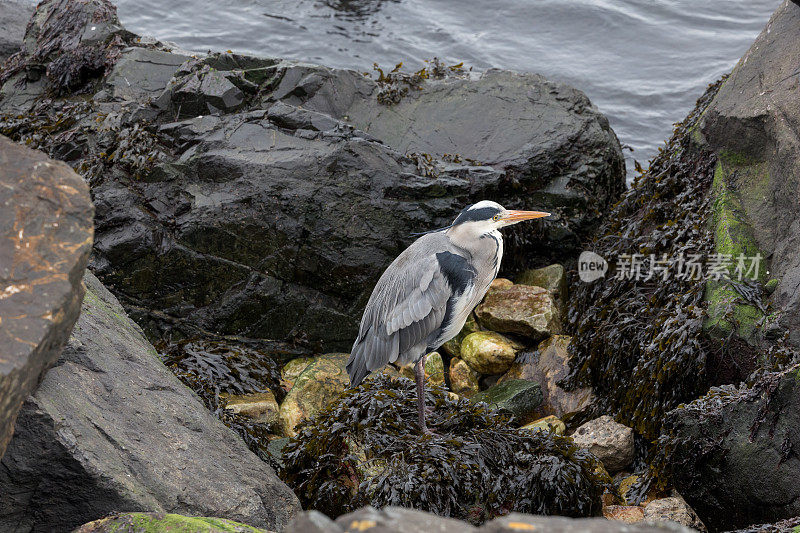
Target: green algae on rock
x=516 y=397
x=160 y=522
x=463 y=380
x=488 y=352
x=475 y=466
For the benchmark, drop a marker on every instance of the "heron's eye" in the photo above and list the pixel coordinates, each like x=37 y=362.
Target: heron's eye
x=496 y=217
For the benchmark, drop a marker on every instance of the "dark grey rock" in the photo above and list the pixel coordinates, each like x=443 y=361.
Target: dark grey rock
x=732 y=452
x=111 y=429
x=751 y=126
x=14 y=16
x=274 y=216
x=313 y=522
x=45 y=241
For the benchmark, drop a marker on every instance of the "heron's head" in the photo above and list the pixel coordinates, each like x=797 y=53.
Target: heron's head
x=487 y=216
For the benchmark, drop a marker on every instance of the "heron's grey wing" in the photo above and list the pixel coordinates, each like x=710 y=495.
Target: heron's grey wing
x=407 y=305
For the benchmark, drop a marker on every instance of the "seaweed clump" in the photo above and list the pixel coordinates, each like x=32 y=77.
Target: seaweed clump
x=366 y=449
x=639 y=342
x=396 y=84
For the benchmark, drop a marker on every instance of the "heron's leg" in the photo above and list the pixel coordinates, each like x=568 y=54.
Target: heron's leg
x=419 y=374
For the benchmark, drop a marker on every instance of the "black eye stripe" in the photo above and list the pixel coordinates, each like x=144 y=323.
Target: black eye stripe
x=474 y=215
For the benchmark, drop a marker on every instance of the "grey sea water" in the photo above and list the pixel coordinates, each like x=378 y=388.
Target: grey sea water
x=642 y=62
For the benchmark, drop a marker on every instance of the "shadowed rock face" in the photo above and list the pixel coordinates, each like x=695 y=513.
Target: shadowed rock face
x=111 y=429
x=263 y=198
x=45 y=241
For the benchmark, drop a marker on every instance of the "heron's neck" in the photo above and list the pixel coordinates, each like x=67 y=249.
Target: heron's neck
x=481 y=245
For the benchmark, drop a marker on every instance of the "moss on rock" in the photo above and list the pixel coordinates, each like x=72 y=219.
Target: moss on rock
x=160 y=522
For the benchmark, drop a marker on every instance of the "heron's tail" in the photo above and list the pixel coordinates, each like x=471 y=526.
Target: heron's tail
x=356 y=368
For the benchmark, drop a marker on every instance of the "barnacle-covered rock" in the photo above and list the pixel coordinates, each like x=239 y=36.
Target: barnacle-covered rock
x=547 y=366
x=487 y=352
x=608 y=440
x=321 y=382
x=516 y=397
x=292 y=370
x=521 y=309
x=452 y=472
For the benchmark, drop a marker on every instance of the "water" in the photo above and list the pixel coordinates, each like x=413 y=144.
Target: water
x=642 y=62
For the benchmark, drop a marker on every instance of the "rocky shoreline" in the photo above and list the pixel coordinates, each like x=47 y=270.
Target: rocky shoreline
x=242 y=210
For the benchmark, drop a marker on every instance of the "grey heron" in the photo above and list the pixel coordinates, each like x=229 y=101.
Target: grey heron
x=424 y=297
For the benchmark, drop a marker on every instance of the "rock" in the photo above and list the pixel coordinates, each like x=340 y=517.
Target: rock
x=313 y=522
x=522 y=309
x=453 y=346
x=517 y=397
x=14 y=16
x=174 y=523
x=547 y=366
x=320 y=383
x=463 y=380
x=399 y=519
x=500 y=283
x=260 y=407
x=275 y=449
x=608 y=440
x=729 y=452
x=45 y=240
x=193 y=213
x=434 y=370
x=292 y=370
x=548 y=423
x=624 y=513
x=790 y=524
x=516 y=522
x=750 y=130
x=112 y=429
x=487 y=352
x=673 y=509
x=553 y=278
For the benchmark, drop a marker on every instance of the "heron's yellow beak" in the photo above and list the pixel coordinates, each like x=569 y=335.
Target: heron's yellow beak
x=519 y=216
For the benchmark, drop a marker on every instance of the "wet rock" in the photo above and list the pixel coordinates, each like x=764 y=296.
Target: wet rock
x=292 y=370
x=45 y=241
x=193 y=216
x=521 y=309
x=321 y=382
x=548 y=423
x=730 y=455
x=14 y=16
x=517 y=397
x=110 y=428
x=673 y=509
x=547 y=366
x=463 y=380
x=516 y=522
x=608 y=440
x=260 y=407
x=552 y=277
x=149 y=522
x=624 y=513
x=487 y=352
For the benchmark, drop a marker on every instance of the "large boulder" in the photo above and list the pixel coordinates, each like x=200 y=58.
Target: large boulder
x=174 y=523
x=111 y=429
x=522 y=309
x=731 y=452
x=14 y=15
x=45 y=241
x=263 y=198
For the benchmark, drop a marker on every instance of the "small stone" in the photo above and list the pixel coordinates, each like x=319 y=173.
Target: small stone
x=522 y=309
x=261 y=407
x=548 y=423
x=500 y=283
x=552 y=277
x=463 y=380
x=321 y=382
x=487 y=352
x=292 y=370
x=547 y=367
x=519 y=398
x=673 y=509
x=629 y=514
x=608 y=440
